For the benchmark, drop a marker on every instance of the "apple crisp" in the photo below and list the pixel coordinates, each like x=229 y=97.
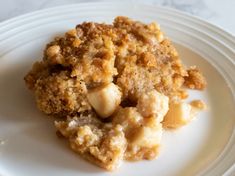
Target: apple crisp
x=114 y=87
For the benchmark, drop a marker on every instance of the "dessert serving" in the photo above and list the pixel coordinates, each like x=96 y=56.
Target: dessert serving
x=114 y=88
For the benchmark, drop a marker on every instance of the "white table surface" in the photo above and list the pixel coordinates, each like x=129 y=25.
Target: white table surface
x=218 y=12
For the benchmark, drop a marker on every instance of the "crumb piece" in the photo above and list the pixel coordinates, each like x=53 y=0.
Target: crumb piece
x=199 y=104
x=195 y=79
x=53 y=50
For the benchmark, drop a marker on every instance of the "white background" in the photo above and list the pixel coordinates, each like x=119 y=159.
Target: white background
x=219 y=12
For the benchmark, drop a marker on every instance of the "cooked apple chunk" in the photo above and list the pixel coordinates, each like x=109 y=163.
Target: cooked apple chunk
x=105 y=99
x=153 y=103
x=146 y=136
x=143 y=134
x=181 y=113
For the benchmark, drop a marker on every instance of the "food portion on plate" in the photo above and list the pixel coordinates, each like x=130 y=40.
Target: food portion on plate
x=114 y=87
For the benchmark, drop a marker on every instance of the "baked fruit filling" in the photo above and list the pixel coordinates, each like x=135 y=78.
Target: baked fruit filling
x=114 y=88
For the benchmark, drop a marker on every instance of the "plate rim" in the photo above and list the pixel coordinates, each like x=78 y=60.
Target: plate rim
x=48 y=9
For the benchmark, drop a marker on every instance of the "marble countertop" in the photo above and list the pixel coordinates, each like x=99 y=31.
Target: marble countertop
x=218 y=12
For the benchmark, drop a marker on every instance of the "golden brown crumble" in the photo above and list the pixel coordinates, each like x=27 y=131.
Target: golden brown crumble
x=112 y=86
x=195 y=80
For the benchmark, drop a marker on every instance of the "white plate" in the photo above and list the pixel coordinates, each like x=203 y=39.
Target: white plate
x=29 y=145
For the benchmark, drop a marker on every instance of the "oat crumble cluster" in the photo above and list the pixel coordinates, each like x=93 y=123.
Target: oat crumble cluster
x=114 y=87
